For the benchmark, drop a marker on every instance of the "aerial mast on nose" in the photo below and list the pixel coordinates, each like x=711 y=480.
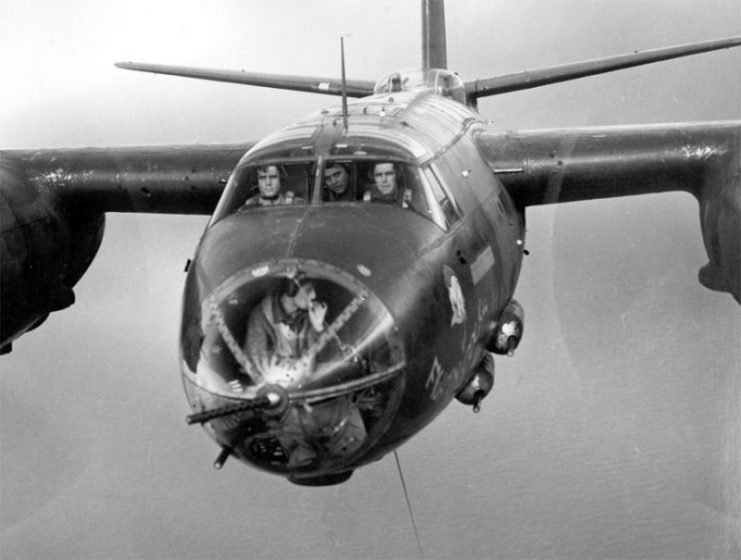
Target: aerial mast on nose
x=344 y=84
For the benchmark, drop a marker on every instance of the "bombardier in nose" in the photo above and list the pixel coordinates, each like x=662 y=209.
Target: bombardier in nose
x=315 y=340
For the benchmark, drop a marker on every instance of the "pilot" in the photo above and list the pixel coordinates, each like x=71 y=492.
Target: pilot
x=385 y=186
x=282 y=328
x=336 y=183
x=269 y=185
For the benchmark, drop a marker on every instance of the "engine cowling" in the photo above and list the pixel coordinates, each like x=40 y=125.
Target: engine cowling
x=479 y=385
x=46 y=248
x=507 y=332
x=720 y=219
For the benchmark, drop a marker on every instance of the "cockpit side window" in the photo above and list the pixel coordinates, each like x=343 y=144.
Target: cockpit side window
x=447 y=205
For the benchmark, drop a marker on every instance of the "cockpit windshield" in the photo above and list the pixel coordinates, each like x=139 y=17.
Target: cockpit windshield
x=382 y=182
x=360 y=178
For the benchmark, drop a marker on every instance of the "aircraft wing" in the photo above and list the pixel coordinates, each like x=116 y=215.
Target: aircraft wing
x=329 y=86
x=161 y=179
x=484 y=87
x=53 y=207
x=704 y=159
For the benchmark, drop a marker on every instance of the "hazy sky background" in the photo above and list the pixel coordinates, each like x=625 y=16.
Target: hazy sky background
x=614 y=430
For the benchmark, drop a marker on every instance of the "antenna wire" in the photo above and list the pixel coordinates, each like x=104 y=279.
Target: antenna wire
x=409 y=506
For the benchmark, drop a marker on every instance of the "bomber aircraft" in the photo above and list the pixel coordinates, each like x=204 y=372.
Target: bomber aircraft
x=359 y=267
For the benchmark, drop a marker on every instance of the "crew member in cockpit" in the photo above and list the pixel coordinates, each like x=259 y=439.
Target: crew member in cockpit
x=269 y=185
x=385 y=186
x=282 y=328
x=336 y=183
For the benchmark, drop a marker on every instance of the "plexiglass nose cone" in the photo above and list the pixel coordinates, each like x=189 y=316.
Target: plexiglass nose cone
x=318 y=334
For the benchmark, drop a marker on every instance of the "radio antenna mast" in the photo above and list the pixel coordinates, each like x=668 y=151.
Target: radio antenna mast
x=344 y=84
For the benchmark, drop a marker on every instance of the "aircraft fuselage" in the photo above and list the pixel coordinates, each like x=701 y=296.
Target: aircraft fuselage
x=413 y=289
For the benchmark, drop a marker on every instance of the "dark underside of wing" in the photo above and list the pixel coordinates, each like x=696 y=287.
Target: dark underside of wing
x=704 y=159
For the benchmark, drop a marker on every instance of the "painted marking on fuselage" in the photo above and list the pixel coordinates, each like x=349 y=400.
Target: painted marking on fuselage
x=440 y=382
x=434 y=379
x=455 y=293
x=469 y=345
x=482 y=265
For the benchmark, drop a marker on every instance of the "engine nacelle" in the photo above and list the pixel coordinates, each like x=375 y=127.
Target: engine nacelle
x=507 y=333
x=720 y=218
x=480 y=383
x=46 y=248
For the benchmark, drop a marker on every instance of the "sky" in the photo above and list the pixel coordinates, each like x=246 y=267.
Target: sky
x=614 y=430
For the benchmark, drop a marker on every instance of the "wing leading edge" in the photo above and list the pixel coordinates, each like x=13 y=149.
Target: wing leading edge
x=520 y=81
x=154 y=179
x=329 y=86
x=704 y=159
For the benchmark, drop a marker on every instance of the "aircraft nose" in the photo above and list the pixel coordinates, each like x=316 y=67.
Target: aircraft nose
x=318 y=336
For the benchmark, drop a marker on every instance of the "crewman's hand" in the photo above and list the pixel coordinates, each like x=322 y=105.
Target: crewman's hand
x=317 y=312
x=236 y=386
